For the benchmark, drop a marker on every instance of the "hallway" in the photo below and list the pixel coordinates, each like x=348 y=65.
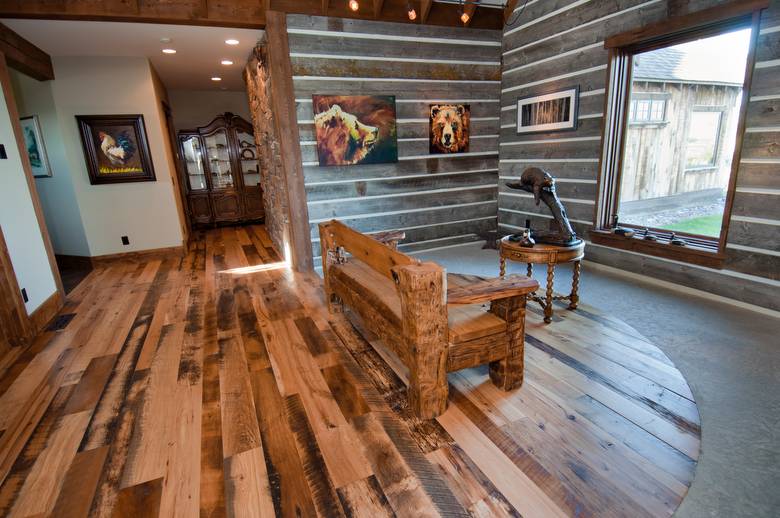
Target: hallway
x=218 y=384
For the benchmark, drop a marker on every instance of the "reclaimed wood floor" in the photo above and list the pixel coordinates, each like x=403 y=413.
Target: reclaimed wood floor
x=217 y=384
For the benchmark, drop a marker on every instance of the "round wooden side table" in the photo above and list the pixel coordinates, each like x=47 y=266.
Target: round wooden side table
x=549 y=255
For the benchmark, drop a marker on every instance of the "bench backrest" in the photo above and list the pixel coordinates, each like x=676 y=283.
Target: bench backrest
x=334 y=234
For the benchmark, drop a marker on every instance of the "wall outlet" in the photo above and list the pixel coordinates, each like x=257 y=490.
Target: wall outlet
x=24 y=295
x=125 y=240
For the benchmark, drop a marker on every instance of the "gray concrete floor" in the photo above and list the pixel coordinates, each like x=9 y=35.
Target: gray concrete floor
x=730 y=357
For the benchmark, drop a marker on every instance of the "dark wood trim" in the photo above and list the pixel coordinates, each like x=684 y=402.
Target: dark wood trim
x=153 y=253
x=657 y=249
x=13 y=112
x=716 y=17
x=425 y=10
x=741 y=124
x=249 y=14
x=46 y=311
x=25 y=57
x=14 y=323
x=283 y=105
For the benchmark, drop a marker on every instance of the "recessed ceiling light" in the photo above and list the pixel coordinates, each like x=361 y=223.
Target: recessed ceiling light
x=169 y=51
x=226 y=62
x=165 y=40
x=232 y=42
x=215 y=78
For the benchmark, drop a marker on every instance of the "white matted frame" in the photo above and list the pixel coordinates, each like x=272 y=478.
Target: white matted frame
x=36 y=149
x=551 y=111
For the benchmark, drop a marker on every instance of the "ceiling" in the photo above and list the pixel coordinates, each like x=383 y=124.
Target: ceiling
x=199 y=50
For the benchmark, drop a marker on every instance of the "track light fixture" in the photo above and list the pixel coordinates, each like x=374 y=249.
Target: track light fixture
x=411 y=12
x=354 y=5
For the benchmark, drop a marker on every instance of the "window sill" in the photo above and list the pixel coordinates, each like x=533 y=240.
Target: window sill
x=702 y=169
x=687 y=254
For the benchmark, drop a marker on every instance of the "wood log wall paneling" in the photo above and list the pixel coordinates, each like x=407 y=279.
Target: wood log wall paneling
x=439 y=200
x=560 y=44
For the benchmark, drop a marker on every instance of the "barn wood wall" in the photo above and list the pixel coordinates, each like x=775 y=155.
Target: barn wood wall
x=559 y=43
x=439 y=200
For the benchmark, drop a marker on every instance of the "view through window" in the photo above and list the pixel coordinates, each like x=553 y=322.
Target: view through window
x=682 y=124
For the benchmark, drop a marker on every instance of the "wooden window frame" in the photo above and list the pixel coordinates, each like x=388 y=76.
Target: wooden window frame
x=701 y=250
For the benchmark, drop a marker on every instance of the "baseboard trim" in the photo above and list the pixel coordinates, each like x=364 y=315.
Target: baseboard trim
x=683 y=289
x=41 y=317
x=154 y=253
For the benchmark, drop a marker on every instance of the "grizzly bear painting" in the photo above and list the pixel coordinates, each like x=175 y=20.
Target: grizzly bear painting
x=355 y=129
x=449 y=125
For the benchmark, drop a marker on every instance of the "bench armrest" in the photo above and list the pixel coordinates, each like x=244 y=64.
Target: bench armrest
x=487 y=290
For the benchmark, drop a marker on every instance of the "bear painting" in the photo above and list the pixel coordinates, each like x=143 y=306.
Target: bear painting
x=449 y=131
x=355 y=129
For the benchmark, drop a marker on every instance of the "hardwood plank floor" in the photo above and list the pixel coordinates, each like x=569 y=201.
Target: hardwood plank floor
x=217 y=384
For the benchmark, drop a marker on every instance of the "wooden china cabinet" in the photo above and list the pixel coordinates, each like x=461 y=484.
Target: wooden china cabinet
x=221 y=172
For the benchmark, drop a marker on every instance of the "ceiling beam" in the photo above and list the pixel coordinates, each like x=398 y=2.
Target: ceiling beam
x=378 y=8
x=509 y=9
x=425 y=9
x=24 y=56
x=470 y=9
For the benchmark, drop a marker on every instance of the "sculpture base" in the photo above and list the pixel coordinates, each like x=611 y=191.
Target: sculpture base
x=554 y=238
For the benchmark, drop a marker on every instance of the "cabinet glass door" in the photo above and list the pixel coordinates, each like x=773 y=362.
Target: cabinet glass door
x=196 y=175
x=219 y=160
x=247 y=155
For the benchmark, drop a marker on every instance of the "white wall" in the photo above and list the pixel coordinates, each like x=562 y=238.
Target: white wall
x=193 y=108
x=57 y=194
x=143 y=211
x=18 y=221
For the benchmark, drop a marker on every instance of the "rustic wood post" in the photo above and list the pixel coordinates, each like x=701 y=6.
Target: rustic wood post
x=507 y=373
x=328 y=249
x=422 y=289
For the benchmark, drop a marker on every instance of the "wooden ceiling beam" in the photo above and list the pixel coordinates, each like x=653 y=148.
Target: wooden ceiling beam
x=509 y=9
x=470 y=9
x=378 y=8
x=24 y=56
x=425 y=9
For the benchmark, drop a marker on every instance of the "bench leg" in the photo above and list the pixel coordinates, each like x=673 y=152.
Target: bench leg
x=507 y=373
x=428 y=390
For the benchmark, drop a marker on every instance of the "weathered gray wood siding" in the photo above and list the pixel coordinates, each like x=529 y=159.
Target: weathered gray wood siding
x=559 y=43
x=439 y=200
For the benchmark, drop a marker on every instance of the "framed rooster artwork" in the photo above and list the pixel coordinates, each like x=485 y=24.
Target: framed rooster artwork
x=116 y=148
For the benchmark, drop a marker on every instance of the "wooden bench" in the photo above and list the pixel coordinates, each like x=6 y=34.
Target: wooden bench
x=432 y=329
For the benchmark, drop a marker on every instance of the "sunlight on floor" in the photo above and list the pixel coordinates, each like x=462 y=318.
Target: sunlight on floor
x=245 y=270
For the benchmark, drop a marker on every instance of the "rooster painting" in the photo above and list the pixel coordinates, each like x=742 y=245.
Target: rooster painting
x=118 y=150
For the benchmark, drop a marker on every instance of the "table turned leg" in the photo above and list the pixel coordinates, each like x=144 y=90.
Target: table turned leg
x=548 y=307
x=530 y=270
x=574 y=298
x=501 y=266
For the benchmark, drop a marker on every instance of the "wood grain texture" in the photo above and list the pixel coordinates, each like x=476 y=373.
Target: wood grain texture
x=201 y=386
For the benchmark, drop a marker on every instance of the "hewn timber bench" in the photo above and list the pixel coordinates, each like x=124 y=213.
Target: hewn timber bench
x=432 y=329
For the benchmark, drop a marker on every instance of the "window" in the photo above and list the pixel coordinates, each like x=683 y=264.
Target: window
x=674 y=107
x=646 y=111
x=701 y=145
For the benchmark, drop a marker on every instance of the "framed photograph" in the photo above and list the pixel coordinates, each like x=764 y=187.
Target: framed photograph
x=36 y=150
x=355 y=129
x=116 y=148
x=449 y=128
x=553 y=111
